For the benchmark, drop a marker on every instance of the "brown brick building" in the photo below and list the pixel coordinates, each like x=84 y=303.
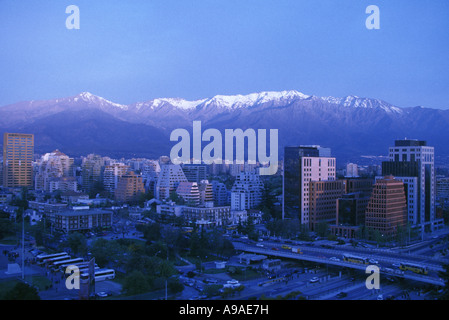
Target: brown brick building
x=323 y=201
x=129 y=187
x=387 y=207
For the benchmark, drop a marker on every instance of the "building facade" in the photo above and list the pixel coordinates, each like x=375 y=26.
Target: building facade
x=387 y=208
x=18 y=150
x=414 y=158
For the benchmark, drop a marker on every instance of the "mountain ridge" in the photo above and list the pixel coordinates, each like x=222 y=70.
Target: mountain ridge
x=350 y=126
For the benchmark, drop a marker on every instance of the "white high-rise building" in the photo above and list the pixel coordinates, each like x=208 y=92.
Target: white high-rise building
x=168 y=180
x=414 y=158
x=112 y=174
x=52 y=165
x=247 y=191
x=303 y=164
x=352 y=170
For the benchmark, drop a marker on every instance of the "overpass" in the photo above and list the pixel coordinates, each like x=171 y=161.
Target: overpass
x=324 y=260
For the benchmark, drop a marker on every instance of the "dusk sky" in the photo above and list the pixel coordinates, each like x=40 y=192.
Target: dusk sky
x=131 y=51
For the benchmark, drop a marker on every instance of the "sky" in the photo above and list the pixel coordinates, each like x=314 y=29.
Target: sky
x=139 y=50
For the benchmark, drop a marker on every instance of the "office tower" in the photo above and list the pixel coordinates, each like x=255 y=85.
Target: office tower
x=352 y=170
x=387 y=207
x=18 y=149
x=221 y=194
x=168 y=180
x=195 y=172
x=52 y=165
x=442 y=188
x=301 y=165
x=92 y=169
x=413 y=158
x=323 y=201
x=411 y=196
x=112 y=174
x=247 y=191
x=129 y=187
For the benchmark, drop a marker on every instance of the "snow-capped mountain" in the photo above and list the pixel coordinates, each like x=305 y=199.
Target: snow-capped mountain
x=349 y=125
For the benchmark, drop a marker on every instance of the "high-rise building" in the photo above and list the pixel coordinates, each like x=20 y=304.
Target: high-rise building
x=189 y=192
x=247 y=191
x=129 y=187
x=443 y=188
x=411 y=195
x=206 y=192
x=168 y=180
x=18 y=150
x=414 y=158
x=323 y=201
x=301 y=165
x=352 y=170
x=221 y=194
x=92 y=169
x=387 y=207
x=195 y=172
x=52 y=165
x=112 y=174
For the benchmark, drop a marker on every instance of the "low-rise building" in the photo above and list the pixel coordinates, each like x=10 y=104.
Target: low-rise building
x=80 y=220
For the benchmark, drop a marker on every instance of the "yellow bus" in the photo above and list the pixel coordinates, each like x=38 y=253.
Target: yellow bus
x=414 y=268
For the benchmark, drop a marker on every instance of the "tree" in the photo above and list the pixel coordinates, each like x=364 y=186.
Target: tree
x=77 y=243
x=22 y=291
x=136 y=283
x=6 y=225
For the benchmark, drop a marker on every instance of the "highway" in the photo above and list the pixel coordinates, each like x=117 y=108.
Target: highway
x=386 y=259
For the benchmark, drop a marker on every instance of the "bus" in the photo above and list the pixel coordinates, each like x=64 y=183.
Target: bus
x=49 y=262
x=101 y=274
x=41 y=257
x=355 y=259
x=80 y=265
x=83 y=269
x=56 y=265
x=414 y=268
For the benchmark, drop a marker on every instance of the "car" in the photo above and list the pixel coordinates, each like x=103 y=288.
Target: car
x=334 y=259
x=341 y=295
x=259 y=245
x=314 y=279
x=101 y=294
x=397 y=265
x=380 y=297
x=373 y=261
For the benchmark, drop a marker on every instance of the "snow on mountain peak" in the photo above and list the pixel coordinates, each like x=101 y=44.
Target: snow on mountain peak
x=239 y=101
x=89 y=97
x=357 y=102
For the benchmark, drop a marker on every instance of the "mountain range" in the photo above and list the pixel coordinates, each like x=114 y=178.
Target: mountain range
x=351 y=126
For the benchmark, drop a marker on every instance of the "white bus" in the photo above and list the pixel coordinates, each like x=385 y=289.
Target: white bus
x=56 y=265
x=42 y=257
x=49 y=262
x=101 y=274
